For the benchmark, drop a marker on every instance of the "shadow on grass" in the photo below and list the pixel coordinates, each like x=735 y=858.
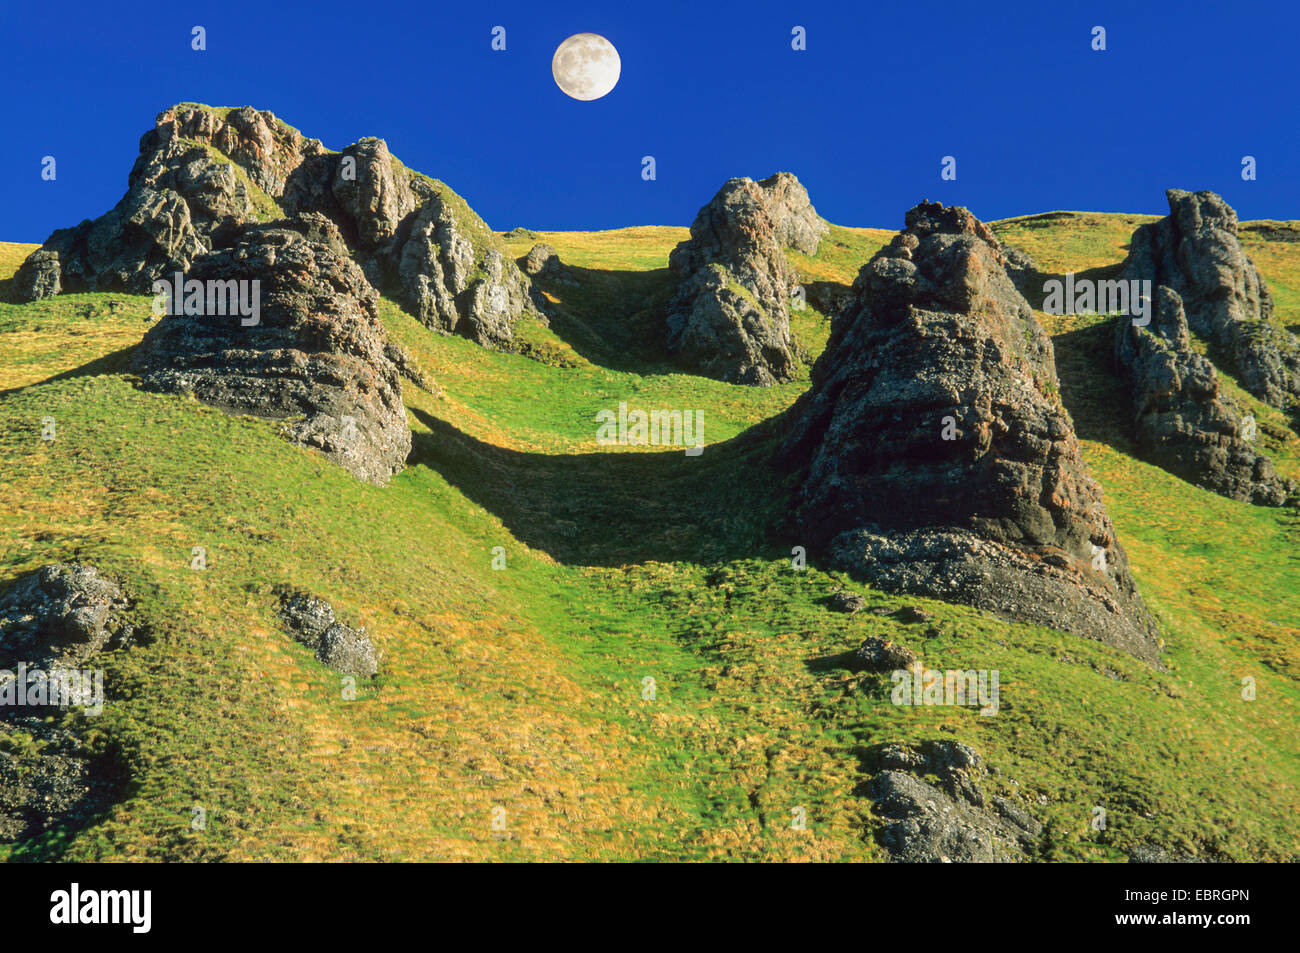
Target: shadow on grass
x=614 y=507
x=1032 y=286
x=1096 y=397
x=114 y=363
x=614 y=319
x=108 y=784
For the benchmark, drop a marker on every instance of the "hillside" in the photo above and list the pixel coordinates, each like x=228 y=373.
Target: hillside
x=522 y=688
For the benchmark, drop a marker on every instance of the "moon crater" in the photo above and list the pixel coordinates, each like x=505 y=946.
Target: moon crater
x=586 y=66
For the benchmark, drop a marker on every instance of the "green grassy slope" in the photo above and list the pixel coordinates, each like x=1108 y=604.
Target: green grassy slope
x=523 y=688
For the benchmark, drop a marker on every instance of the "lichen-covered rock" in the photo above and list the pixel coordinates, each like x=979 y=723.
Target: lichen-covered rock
x=730 y=316
x=375 y=195
x=37 y=277
x=1195 y=251
x=952 y=822
x=316 y=359
x=1183 y=422
x=1021 y=269
x=61 y=615
x=311 y=621
x=937 y=457
x=842 y=601
x=348 y=652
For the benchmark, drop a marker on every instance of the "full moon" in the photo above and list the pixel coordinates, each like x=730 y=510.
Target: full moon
x=586 y=66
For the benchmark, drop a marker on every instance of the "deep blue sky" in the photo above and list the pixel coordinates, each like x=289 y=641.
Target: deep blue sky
x=1036 y=119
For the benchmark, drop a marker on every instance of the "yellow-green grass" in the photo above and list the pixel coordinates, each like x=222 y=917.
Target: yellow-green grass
x=1071 y=241
x=1279 y=261
x=523 y=688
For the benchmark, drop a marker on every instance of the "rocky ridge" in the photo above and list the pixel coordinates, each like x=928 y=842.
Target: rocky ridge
x=201 y=168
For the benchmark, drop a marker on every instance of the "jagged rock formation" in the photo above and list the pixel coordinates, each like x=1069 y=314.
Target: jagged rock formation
x=62 y=615
x=1182 y=421
x=937 y=457
x=180 y=189
x=949 y=823
x=311 y=621
x=1195 y=252
x=317 y=358
x=730 y=316
x=454 y=278
x=200 y=169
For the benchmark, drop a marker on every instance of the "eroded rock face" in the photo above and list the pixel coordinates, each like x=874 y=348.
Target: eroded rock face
x=939 y=460
x=1183 y=422
x=1195 y=252
x=377 y=198
x=797 y=223
x=346 y=650
x=952 y=822
x=201 y=170
x=418 y=241
x=730 y=316
x=316 y=359
x=456 y=279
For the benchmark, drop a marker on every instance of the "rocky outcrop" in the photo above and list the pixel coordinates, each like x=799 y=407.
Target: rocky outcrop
x=316 y=358
x=53 y=620
x=39 y=276
x=730 y=316
x=51 y=777
x=936 y=457
x=879 y=655
x=418 y=241
x=1195 y=252
x=62 y=615
x=797 y=224
x=311 y=621
x=201 y=169
x=543 y=262
x=1183 y=422
x=1021 y=269
x=196 y=170
x=454 y=276
x=953 y=821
